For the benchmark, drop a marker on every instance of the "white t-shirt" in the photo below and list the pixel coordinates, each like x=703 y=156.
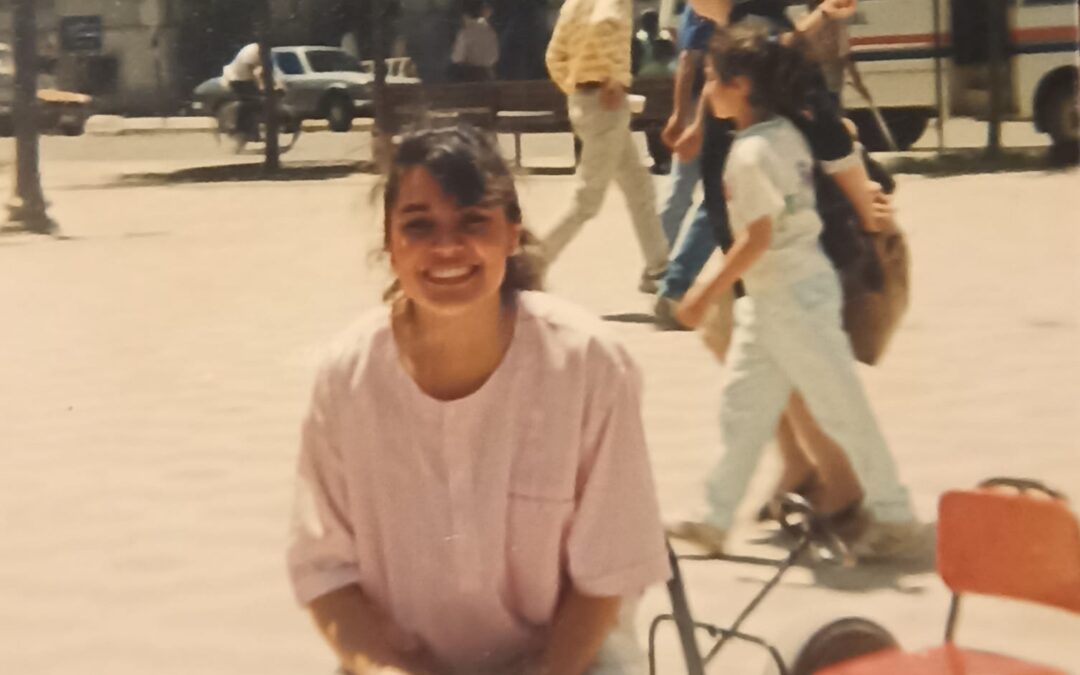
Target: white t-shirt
x=476 y=44
x=770 y=173
x=242 y=68
x=466 y=519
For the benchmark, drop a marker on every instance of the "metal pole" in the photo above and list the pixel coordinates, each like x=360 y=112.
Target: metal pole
x=273 y=152
x=27 y=206
x=994 y=62
x=380 y=139
x=939 y=95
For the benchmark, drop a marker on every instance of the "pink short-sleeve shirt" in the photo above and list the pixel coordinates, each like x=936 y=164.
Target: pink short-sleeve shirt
x=466 y=519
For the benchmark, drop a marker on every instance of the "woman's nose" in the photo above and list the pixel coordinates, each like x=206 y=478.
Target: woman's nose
x=448 y=240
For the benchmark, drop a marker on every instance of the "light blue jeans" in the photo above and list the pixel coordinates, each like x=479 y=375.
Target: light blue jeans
x=698 y=243
x=791 y=339
x=608 y=154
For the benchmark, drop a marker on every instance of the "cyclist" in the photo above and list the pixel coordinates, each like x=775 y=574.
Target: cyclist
x=243 y=76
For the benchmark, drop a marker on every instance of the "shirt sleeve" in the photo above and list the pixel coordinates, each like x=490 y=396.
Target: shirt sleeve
x=321 y=555
x=751 y=192
x=695 y=32
x=557 y=58
x=615 y=545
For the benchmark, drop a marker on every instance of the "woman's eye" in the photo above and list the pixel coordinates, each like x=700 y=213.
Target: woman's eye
x=475 y=223
x=417 y=227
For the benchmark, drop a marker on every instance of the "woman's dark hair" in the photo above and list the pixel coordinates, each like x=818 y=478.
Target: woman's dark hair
x=778 y=72
x=467 y=166
x=473 y=8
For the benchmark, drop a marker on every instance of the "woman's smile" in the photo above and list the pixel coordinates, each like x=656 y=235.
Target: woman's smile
x=451 y=275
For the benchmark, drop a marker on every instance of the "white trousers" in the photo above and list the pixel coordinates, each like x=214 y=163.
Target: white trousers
x=789 y=339
x=608 y=154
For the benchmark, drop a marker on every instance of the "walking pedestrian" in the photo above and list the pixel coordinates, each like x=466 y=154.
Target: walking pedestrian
x=788 y=335
x=589 y=59
x=700 y=239
x=476 y=47
x=474 y=492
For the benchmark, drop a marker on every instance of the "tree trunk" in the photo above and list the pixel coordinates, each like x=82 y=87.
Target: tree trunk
x=380 y=135
x=26 y=209
x=997 y=35
x=273 y=152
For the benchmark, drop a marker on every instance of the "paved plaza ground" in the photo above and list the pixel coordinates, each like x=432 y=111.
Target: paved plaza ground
x=154 y=364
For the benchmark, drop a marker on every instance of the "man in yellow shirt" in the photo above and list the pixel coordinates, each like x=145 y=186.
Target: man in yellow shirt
x=589 y=59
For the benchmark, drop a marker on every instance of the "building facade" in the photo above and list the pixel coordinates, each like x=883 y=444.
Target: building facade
x=141 y=57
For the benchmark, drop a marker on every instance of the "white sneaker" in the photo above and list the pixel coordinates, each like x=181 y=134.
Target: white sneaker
x=705 y=536
x=883 y=540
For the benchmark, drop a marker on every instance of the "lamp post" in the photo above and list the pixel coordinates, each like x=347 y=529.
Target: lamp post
x=27 y=206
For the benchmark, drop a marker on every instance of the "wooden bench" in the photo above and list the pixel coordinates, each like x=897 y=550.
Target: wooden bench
x=510 y=107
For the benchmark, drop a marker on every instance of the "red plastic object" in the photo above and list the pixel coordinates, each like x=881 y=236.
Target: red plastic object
x=997 y=542
x=1018 y=545
x=945 y=660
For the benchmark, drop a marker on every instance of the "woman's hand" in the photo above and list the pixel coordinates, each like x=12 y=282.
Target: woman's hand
x=838 y=10
x=612 y=95
x=884 y=211
x=690 y=311
x=672 y=131
x=688 y=145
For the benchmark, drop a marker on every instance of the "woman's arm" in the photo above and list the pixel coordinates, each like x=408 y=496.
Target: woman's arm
x=688 y=145
x=716 y=278
x=582 y=623
x=716 y=11
x=364 y=638
x=689 y=62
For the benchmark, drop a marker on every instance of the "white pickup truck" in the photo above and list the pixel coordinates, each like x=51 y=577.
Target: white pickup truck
x=61 y=111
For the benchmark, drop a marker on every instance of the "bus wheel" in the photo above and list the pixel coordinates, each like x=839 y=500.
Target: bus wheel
x=907 y=126
x=1062 y=115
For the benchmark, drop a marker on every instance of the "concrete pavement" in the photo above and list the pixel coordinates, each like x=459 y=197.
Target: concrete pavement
x=155 y=364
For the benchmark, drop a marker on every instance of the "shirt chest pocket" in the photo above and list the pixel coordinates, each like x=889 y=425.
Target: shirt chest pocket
x=545 y=465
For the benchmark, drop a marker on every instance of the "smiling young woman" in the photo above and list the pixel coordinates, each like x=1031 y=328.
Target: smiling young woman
x=474 y=491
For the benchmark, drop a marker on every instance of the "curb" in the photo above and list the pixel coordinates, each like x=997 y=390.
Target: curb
x=112 y=125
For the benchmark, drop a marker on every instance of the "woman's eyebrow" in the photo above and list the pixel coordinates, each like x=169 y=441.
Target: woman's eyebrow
x=414 y=207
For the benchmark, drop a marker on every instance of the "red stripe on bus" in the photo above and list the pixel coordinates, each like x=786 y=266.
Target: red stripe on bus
x=1045 y=34
x=909 y=39
x=1018 y=36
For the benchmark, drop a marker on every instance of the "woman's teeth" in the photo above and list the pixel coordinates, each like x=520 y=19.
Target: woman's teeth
x=450 y=273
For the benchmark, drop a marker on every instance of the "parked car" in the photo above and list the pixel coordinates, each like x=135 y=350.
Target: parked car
x=320 y=83
x=58 y=110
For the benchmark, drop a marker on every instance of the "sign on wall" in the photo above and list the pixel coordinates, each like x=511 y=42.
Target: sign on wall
x=80 y=33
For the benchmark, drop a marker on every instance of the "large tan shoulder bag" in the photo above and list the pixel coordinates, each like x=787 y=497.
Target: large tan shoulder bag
x=876 y=292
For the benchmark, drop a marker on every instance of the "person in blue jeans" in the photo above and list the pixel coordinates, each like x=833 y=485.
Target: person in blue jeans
x=709 y=138
x=699 y=241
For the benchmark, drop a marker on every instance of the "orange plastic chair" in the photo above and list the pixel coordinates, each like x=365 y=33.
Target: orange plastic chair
x=1008 y=538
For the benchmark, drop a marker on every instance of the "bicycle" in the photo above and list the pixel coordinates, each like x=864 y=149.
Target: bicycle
x=837 y=641
x=228 y=131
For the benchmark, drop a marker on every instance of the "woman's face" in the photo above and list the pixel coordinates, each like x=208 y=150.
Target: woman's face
x=447 y=257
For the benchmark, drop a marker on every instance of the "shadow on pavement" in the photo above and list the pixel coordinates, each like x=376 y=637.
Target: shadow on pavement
x=545 y=170
x=871 y=575
x=976 y=161
x=630 y=317
x=289 y=171
x=246 y=172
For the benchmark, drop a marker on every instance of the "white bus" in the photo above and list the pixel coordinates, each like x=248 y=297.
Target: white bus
x=899 y=47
